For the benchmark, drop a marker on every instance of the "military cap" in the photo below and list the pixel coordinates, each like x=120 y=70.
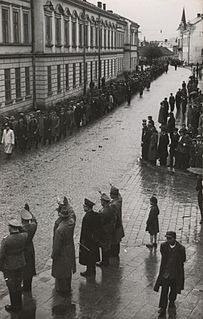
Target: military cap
x=14 y=223
x=105 y=197
x=144 y=121
x=88 y=203
x=114 y=190
x=170 y=234
x=26 y=215
x=149 y=117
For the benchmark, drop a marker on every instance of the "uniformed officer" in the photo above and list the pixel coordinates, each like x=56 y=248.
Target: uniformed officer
x=29 y=223
x=89 y=239
x=108 y=221
x=12 y=262
x=116 y=204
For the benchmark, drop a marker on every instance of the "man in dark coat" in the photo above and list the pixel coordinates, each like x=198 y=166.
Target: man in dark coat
x=178 y=98
x=145 y=140
x=63 y=251
x=116 y=204
x=172 y=102
x=200 y=196
x=171 y=124
x=171 y=273
x=108 y=221
x=29 y=223
x=12 y=262
x=163 y=147
x=89 y=239
x=173 y=147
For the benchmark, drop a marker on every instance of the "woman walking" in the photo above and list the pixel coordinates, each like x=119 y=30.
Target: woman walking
x=153 y=223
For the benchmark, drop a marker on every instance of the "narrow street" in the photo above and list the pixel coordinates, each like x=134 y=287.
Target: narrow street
x=83 y=164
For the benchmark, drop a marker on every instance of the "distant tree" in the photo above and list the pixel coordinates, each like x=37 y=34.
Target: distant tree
x=152 y=52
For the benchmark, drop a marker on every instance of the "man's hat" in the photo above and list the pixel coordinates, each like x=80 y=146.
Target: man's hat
x=14 y=223
x=88 y=203
x=105 y=197
x=26 y=215
x=114 y=190
x=153 y=199
x=144 y=121
x=170 y=234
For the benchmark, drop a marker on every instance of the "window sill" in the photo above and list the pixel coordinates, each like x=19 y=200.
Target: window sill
x=15 y=44
x=28 y=97
x=19 y=99
x=9 y=102
x=49 y=45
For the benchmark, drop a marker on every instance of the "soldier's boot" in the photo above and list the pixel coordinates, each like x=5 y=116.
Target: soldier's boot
x=16 y=302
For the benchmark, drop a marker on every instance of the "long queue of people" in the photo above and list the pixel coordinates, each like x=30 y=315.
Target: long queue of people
x=27 y=131
x=176 y=147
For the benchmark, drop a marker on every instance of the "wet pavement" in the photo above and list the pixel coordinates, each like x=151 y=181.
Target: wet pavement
x=81 y=165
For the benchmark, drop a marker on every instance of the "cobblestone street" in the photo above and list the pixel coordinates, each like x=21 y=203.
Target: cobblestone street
x=106 y=151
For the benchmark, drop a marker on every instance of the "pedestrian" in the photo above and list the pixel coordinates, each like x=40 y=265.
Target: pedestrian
x=162 y=118
x=89 y=239
x=152 y=152
x=200 y=196
x=183 y=150
x=178 y=100
x=173 y=147
x=116 y=204
x=108 y=222
x=8 y=140
x=171 y=124
x=172 y=102
x=145 y=140
x=12 y=262
x=163 y=146
x=153 y=223
x=29 y=223
x=22 y=136
x=63 y=251
x=171 y=273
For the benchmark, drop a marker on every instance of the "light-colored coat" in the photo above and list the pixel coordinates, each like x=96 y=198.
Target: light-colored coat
x=8 y=140
x=63 y=253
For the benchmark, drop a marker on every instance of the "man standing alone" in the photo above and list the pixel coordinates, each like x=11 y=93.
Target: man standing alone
x=171 y=273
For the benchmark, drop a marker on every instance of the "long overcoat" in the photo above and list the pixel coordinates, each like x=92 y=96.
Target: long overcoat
x=89 y=239
x=108 y=221
x=118 y=234
x=63 y=252
x=178 y=269
x=29 y=252
x=152 y=221
x=152 y=152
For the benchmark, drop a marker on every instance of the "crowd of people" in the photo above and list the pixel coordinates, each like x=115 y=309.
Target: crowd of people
x=28 y=130
x=176 y=147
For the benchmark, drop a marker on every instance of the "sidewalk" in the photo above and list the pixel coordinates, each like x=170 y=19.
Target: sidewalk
x=125 y=289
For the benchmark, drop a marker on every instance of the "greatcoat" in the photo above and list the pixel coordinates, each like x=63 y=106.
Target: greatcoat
x=178 y=270
x=90 y=239
x=118 y=234
x=63 y=252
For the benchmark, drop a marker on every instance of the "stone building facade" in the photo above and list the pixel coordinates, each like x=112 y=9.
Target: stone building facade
x=66 y=45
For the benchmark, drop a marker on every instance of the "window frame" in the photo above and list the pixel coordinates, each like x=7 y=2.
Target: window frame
x=26 y=35
x=27 y=81
x=8 y=89
x=16 y=26
x=18 y=90
x=8 y=31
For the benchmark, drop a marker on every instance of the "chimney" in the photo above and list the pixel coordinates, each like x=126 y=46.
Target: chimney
x=104 y=6
x=99 y=4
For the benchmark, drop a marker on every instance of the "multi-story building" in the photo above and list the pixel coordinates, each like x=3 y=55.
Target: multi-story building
x=190 y=42
x=72 y=44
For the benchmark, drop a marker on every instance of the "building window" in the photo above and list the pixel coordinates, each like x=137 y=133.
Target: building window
x=66 y=33
x=67 y=76
x=58 y=31
x=86 y=71
x=27 y=81
x=5 y=25
x=7 y=78
x=104 y=38
x=58 y=78
x=26 y=27
x=86 y=35
x=91 y=70
x=80 y=74
x=109 y=39
x=74 y=75
x=104 y=68
x=49 y=80
x=18 y=83
x=91 y=36
x=96 y=37
x=100 y=38
x=74 y=34
x=80 y=35
x=111 y=67
x=96 y=69
x=48 y=20
x=108 y=69
x=112 y=38
x=16 y=26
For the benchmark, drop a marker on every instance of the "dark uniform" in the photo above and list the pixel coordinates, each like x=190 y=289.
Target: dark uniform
x=89 y=239
x=29 y=226
x=108 y=221
x=12 y=262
